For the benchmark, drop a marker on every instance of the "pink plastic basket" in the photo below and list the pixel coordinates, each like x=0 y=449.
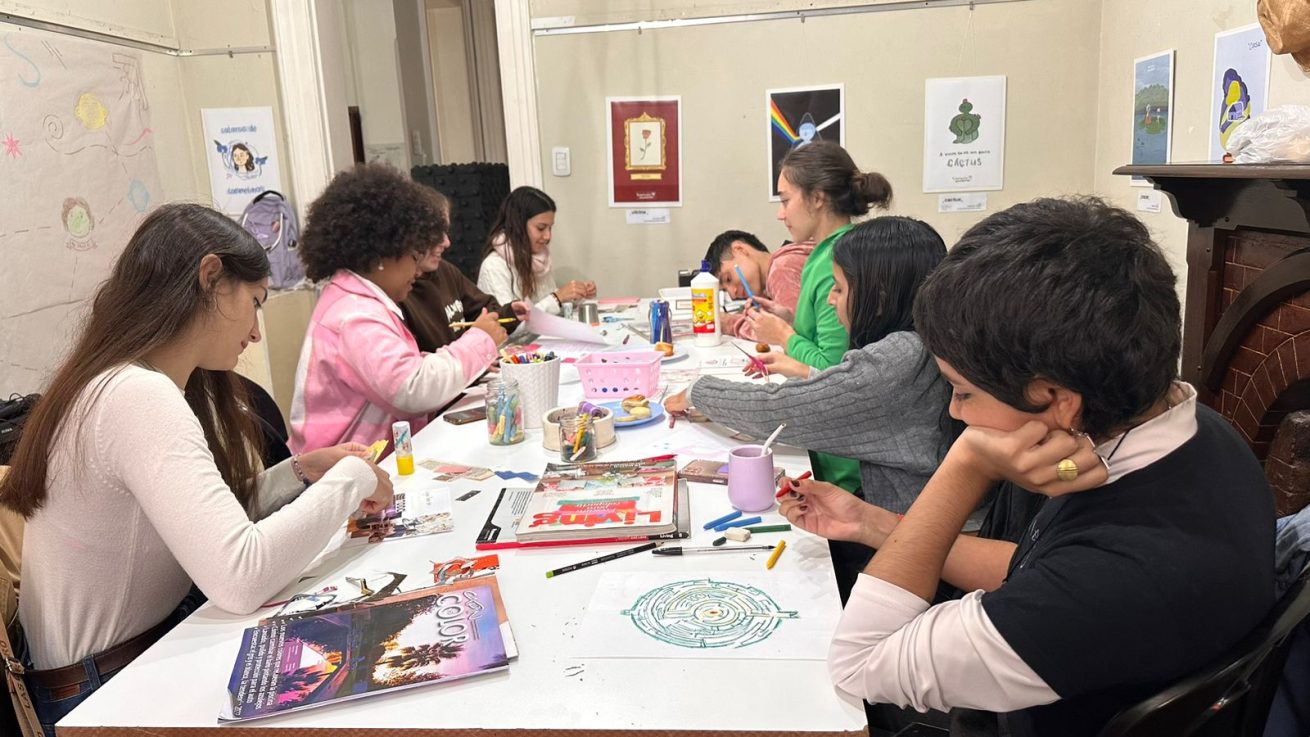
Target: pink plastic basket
x=619 y=375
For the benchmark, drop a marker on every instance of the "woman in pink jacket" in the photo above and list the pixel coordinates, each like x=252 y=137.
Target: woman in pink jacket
x=360 y=368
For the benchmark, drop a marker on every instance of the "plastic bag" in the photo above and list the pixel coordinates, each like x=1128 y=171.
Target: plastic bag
x=1277 y=136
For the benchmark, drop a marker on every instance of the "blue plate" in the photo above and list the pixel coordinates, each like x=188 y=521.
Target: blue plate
x=656 y=412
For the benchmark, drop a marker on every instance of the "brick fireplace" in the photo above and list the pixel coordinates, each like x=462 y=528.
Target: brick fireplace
x=1246 y=322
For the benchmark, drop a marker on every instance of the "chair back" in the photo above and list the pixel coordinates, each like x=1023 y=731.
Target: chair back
x=17 y=712
x=1231 y=697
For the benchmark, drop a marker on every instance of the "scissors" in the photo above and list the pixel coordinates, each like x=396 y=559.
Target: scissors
x=755 y=363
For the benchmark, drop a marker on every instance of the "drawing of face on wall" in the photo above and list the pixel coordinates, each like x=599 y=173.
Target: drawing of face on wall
x=79 y=223
x=240 y=158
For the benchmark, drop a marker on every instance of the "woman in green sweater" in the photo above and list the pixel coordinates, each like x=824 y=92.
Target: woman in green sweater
x=821 y=191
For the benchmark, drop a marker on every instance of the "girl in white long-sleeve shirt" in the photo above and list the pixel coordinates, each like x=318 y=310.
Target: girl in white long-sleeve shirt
x=138 y=470
x=516 y=266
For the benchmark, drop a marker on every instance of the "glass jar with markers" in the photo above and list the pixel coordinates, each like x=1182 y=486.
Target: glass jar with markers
x=504 y=412
x=577 y=438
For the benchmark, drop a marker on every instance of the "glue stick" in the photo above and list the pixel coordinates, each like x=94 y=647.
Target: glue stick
x=404 y=450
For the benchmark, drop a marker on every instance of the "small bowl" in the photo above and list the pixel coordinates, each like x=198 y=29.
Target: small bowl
x=605 y=436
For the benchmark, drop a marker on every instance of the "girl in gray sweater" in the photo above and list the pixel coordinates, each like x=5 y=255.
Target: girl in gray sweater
x=885 y=404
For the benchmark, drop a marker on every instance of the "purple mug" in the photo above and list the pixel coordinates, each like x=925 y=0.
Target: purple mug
x=750 y=478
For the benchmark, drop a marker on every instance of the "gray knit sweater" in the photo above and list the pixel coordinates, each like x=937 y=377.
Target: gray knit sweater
x=882 y=405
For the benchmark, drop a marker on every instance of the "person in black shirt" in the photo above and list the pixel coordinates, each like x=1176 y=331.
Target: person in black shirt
x=1057 y=324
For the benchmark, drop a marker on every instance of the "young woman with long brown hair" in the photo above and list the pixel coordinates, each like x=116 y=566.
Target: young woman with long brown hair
x=138 y=472
x=516 y=264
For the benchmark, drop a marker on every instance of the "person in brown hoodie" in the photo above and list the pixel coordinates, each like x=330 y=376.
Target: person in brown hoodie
x=443 y=295
x=772 y=277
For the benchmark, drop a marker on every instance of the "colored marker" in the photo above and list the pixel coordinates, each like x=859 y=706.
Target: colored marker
x=684 y=550
x=769 y=528
x=601 y=559
x=792 y=485
x=749 y=294
x=738 y=523
x=725 y=518
x=782 y=544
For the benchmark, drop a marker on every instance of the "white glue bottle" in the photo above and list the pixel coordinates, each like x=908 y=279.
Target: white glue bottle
x=705 y=306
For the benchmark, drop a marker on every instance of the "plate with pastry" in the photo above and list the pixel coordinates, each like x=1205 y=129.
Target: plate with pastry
x=634 y=411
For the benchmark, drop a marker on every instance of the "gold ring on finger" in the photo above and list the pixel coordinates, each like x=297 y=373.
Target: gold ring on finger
x=1066 y=470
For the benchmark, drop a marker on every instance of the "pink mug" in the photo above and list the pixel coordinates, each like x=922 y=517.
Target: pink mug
x=750 y=478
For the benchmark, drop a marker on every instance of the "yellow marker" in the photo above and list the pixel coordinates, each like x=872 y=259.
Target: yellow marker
x=776 y=552
x=375 y=450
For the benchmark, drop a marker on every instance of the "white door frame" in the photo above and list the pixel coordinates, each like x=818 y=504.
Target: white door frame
x=518 y=87
x=313 y=94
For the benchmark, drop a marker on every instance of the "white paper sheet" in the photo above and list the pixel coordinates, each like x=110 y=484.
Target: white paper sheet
x=725 y=615
x=544 y=323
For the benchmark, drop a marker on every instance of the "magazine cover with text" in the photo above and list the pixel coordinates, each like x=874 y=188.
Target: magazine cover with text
x=292 y=663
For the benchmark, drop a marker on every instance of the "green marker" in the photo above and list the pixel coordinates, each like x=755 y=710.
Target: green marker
x=769 y=528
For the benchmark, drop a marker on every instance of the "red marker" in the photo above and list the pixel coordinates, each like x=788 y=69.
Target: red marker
x=792 y=484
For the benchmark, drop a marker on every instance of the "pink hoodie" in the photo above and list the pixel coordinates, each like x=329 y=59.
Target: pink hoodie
x=360 y=369
x=782 y=285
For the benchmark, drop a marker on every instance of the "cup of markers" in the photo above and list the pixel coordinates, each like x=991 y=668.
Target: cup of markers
x=504 y=412
x=537 y=376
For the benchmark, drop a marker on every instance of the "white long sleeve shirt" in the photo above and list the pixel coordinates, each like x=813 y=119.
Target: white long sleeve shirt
x=137 y=511
x=498 y=279
x=891 y=647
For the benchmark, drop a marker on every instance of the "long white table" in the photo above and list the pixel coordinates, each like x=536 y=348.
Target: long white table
x=177 y=685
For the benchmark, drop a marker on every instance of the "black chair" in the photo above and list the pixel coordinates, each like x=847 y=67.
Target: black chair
x=269 y=418
x=1231 y=697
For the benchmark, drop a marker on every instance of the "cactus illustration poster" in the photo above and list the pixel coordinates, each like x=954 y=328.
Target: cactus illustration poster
x=797 y=116
x=1153 y=104
x=964 y=134
x=1239 y=89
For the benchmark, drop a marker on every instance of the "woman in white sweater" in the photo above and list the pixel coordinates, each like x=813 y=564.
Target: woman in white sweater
x=516 y=264
x=138 y=472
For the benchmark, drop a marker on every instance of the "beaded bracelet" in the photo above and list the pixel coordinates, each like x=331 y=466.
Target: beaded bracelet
x=298 y=471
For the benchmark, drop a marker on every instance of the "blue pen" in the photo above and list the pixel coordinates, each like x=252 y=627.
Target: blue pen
x=749 y=294
x=724 y=518
x=738 y=523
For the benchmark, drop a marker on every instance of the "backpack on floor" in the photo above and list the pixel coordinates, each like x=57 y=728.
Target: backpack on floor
x=271 y=220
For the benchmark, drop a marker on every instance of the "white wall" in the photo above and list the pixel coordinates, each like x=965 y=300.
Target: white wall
x=370 y=27
x=1135 y=29
x=1047 y=48
x=450 y=76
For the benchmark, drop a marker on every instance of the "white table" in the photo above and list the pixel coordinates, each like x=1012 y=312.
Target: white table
x=177 y=685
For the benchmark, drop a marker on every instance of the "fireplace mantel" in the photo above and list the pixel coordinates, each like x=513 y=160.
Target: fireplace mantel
x=1246 y=322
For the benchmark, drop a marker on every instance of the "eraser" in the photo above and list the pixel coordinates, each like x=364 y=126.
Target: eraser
x=737 y=534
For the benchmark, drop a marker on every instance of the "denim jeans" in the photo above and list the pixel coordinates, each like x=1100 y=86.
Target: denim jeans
x=50 y=710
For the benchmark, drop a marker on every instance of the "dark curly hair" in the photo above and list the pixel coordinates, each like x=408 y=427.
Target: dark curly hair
x=1073 y=291
x=368 y=214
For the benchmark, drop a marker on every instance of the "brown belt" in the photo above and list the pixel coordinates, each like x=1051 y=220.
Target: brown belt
x=65 y=682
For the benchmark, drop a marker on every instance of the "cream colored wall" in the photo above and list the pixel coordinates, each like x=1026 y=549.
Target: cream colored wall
x=1047 y=48
x=1133 y=29
x=450 y=78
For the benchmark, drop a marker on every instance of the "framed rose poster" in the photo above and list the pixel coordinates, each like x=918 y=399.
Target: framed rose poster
x=645 y=151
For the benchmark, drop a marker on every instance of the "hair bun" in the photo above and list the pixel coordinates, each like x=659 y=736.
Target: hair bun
x=872 y=187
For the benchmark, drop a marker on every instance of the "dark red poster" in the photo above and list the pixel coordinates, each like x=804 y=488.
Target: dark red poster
x=645 y=151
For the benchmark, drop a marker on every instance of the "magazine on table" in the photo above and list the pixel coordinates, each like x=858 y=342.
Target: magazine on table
x=306 y=660
x=602 y=500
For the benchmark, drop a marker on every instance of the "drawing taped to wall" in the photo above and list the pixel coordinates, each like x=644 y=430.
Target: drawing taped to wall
x=77 y=152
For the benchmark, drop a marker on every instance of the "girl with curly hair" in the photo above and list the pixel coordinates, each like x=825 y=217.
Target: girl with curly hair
x=361 y=368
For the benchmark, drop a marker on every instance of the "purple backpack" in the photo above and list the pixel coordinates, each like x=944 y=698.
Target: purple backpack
x=271 y=220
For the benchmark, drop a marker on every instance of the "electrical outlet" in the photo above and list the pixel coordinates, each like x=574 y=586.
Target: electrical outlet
x=560 y=161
